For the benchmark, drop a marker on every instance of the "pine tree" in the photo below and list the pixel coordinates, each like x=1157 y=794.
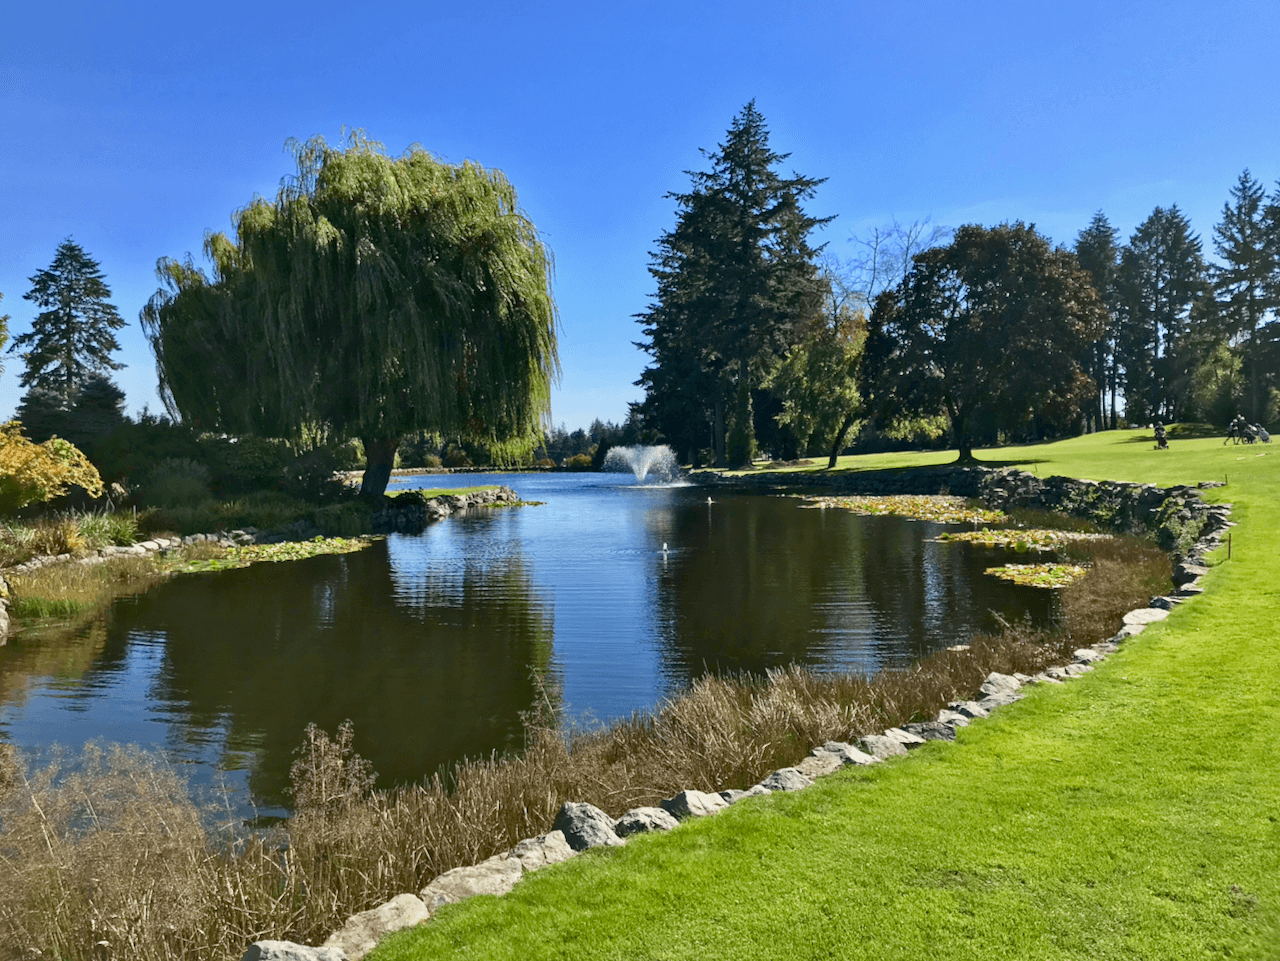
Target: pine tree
x=736 y=278
x=4 y=332
x=74 y=334
x=1246 y=283
x=1162 y=274
x=1099 y=255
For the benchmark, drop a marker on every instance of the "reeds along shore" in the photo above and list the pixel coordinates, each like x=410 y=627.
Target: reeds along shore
x=112 y=848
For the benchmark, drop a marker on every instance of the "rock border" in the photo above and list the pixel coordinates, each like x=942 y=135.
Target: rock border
x=580 y=826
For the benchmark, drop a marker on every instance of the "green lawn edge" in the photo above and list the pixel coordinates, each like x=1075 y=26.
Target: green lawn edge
x=1130 y=814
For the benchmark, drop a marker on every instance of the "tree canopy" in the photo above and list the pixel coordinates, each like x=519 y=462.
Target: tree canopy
x=73 y=336
x=375 y=296
x=997 y=320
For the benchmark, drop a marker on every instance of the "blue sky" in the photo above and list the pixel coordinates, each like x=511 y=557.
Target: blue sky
x=136 y=127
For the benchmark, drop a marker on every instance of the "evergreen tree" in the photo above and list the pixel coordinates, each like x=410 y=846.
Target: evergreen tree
x=1162 y=274
x=74 y=334
x=4 y=332
x=1099 y=255
x=736 y=276
x=1246 y=282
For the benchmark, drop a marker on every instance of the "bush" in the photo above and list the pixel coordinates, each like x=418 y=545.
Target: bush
x=176 y=482
x=313 y=476
x=32 y=473
x=546 y=463
x=342 y=520
x=579 y=462
x=456 y=457
x=240 y=465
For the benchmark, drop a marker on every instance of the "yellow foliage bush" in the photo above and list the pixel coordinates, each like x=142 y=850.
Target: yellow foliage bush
x=37 y=472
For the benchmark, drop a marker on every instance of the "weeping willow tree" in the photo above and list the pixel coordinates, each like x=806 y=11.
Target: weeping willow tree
x=374 y=297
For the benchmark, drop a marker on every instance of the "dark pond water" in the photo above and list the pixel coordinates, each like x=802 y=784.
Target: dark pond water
x=434 y=644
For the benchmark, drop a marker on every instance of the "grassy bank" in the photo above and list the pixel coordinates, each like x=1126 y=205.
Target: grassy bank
x=1133 y=814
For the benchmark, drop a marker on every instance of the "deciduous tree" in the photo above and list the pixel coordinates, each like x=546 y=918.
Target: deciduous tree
x=374 y=297
x=997 y=320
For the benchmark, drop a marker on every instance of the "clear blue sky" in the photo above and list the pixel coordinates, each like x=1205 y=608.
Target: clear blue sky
x=134 y=128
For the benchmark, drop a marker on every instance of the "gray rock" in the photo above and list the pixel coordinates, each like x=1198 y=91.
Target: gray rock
x=1188 y=591
x=496 y=875
x=932 y=730
x=906 y=737
x=1187 y=572
x=847 y=753
x=732 y=794
x=786 y=779
x=970 y=709
x=1076 y=670
x=586 y=826
x=953 y=718
x=149 y=546
x=1045 y=679
x=756 y=790
x=994 y=701
x=999 y=684
x=288 y=951
x=643 y=820
x=1057 y=673
x=693 y=804
x=883 y=747
x=1022 y=678
x=362 y=931
x=534 y=853
x=819 y=763
x=1087 y=655
x=1145 y=615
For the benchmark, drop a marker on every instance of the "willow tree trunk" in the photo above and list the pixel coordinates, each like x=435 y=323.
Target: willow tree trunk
x=379 y=459
x=838 y=442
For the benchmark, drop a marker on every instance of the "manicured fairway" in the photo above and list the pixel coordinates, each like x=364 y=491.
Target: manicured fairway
x=1132 y=814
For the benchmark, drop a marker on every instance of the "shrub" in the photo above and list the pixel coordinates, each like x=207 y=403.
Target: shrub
x=456 y=457
x=578 y=462
x=103 y=528
x=432 y=461
x=176 y=482
x=32 y=473
x=239 y=465
x=546 y=463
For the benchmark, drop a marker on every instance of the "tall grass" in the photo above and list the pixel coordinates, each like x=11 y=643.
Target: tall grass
x=113 y=848
x=67 y=533
x=70 y=590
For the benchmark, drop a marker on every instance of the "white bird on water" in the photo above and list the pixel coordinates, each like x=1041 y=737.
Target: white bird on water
x=664 y=547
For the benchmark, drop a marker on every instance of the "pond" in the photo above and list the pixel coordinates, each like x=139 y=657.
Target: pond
x=602 y=601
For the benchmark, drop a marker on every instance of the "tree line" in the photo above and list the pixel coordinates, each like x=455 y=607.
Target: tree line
x=758 y=336
x=406 y=302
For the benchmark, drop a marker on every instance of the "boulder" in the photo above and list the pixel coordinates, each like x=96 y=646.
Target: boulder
x=932 y=730
x=970 y=709
x=288 y=951
x=694 y=804
x=1087 y=655
x=993 y=701
x=1145 y=615
x=756 y=790
x=999 y=684
x=534 y=853
x=819 y=763
x=883 y=747
x=1186 y=572
x=786 y=779
x=362 y=931
x=496 y=875
x=1046 y=679
x=586 y=826
x=847 y=753
x=643 y=820
x=906 y=737
x=953 y=718
x=732 y=794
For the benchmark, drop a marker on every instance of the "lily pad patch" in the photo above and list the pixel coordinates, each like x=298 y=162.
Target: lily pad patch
x=1039 y=575
x=941 y=508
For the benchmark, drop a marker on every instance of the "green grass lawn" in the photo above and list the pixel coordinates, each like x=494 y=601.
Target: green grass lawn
x=1132 y=814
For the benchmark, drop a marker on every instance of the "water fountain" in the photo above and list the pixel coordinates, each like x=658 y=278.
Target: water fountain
x=643 y=461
